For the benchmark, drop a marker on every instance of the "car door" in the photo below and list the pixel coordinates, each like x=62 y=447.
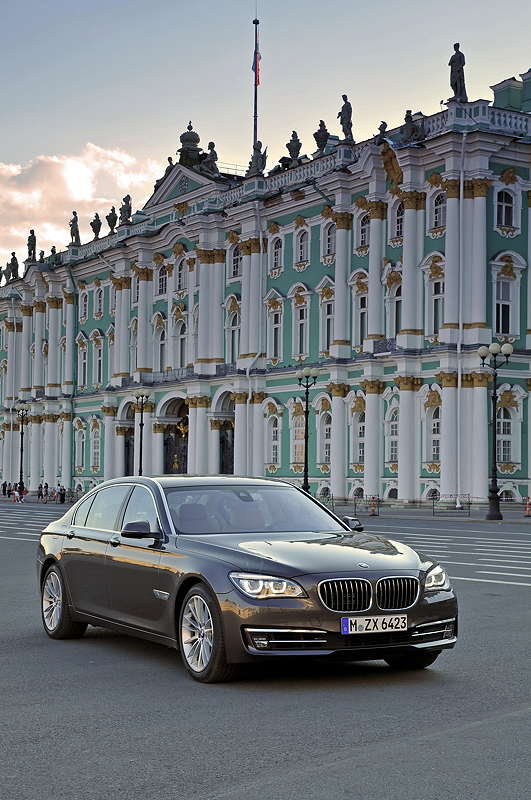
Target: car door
x=132 y=566
x=84 y=550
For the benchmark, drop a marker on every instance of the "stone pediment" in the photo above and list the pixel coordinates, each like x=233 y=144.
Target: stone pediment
x=180 y=181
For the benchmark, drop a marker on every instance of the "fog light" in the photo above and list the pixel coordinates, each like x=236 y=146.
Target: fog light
x=260 y=641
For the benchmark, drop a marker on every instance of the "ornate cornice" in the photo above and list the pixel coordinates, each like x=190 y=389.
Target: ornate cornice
x=451 y=187
x=54 y=302
x=481 y=379
x=343 y=220
x=109 y=411
x=447 y=380
x=258 y=397
x=372 y=386
x=240 y=397
x=377 y=209
x=338 y=389
x=481 y=186
x=39 y=306
x=408 y=383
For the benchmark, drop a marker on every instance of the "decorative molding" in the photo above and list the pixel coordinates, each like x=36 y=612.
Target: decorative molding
x=181 y=208
x=39 y=306
x=509 y=176
x=377 y=209
x=372 y=386
x=343 y=220
x=109 y=411
x=435 y=179
x=447 y=380
x=408 y=383
x=433 y=399
x=481 y=187
x=362 y=202
x=433 y=467
x=451 y=187
x=507 y=400
x=338 y=389
x=300 y=221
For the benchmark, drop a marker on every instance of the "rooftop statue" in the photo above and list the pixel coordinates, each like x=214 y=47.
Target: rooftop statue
x=112 y=219
x=54 y=258
x=189 y=152
x=294 y=147
x=166 y=173
x=380 y=138
x=95 y=224
x=411 y=131
x=41 y=256
x=457 y=75
x=208 y=165
x=11 y=270
x=32 y=246
x=257 y=162
x=74 y=229
x=321 y=136
x=125 y=210
x=345 y=118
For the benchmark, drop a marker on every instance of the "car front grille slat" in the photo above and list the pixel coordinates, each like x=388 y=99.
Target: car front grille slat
x=393 y=594
x=352 y=594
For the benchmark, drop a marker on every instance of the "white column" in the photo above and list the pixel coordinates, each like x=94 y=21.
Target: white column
x=255 y=299
x=39 y=307
x=480 y=437
x=478 y=266
x=373 y=427
x=55 y=305
x=144 y=359
x=70 y=348
x=217 y=283
x=203 y=345
x=27 y=319
x=465 y=432
x=406 y=438
x=214 y=446
x=245 y=249
x=342 y=339
x=119 y=452
x=109 y=415
x=157 y=449
x=35 y=451
x=201 y=434
x=240 y=433
x=10 y=385
x=66 y=451
x=448 y=455
x=451 y=272
x=123 y=298
x=375 y=298
x=192 y=430
x=50 y=448
x=338 y=449
x=146 y=438
x=409 y=264
x=9 y=465
x=258 y=439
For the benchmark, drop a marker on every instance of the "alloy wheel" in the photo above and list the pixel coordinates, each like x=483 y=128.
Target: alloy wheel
x=52 y=601
x=197 y=633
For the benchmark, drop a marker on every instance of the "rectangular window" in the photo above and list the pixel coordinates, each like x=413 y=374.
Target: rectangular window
x=393 y=450
x=503 y=450
x=361 y=452
x=301 y=331
x=298 y=440
x=276 y=322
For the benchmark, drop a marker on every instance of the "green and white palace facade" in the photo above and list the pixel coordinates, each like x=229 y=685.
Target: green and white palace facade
x=383 y=267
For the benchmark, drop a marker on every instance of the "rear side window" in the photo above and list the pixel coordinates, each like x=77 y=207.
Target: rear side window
x=82 y=511
x=104 y=510
x=141 y=508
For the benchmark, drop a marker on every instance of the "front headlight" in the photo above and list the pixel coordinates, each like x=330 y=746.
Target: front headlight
x=437 y=579
x=263 y=586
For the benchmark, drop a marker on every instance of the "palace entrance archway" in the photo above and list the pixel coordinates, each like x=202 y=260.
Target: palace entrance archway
x=175 y=415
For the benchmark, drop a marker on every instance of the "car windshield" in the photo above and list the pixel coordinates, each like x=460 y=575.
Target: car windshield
x=246 y=509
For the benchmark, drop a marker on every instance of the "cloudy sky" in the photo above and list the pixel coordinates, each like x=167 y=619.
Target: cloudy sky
x=95 y=95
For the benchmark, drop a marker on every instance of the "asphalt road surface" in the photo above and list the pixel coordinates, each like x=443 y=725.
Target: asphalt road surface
x=107 y=717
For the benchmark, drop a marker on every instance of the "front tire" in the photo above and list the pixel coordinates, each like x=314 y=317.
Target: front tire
x=56 y=617
x=201 y=640
x=411 y=661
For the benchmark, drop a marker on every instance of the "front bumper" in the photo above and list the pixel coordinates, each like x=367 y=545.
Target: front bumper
x=303 y=627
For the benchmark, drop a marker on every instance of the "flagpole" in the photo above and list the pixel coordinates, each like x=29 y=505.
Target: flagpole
x=256 y=23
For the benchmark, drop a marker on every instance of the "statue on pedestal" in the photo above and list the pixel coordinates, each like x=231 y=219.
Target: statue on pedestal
x=112 y=219
x=74 y=229
x=207 y=165
x=380 y=138
x=321 y=136
x=32 y=246
x=166 y=173
x=411 y=131
x=345 y=118
x=457 y=75
x=125 y=210
x=95 y=224
x=257 y=162
x=294 y=147
x=11 y=271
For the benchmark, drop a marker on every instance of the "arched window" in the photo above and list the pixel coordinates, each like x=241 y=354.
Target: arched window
x=327 y=331
x=82 y=377
x=195 y=331
x=236 y=263
x=301 y=330
x=399 y=221
x=98 y=361
x=504 y=209
x=181 y=344
x=162 y=280
x=325 y=438
x=83 y=306
x=439 y=211
x=95 y=448
x=504 y=432
x=365 y=230
x=275 y=334
x=277 y=254
x=181 y=275
x=98 y=304
x=136 y=288
x=359 y=317
x=80 y=450
x=434 y=430
x=503 y=305
x=298 y=438
x=233 y=337
x=132 y=346
x=162 y=350
x=392 y=438
x=437 y=305
x=302 y=246
x=395 y=311
x=330 y=239
x=274 y=440
x=358 y=442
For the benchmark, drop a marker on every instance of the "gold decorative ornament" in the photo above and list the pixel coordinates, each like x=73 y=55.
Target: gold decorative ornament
x=338 y=389
x=393 y=466
x=300 y=222
x=181 y=208
x=433 y=399
x=393 y=278
x=299 y=299
x=273 y=228
x=372 y=386
x=178 y=249
x=507 y=400
x=274 y=304
x=507 y=467
x=377 y=209
x=191 y=264
x=468 y=190
x=233 y=306
x=408 y=383
x=361 y=202
x=451 y=187
x=509 y=176
x=433 y=467
x=39 y=306
x=358 y=406
x=325 y=404
x=233 y=237
x=361 y=286
x=481 y=187
x=326 y=293
x=343 y=220
x=392 y=168
x=109 y=411
x=298 y=410
x=435 y=179
x=327 y=212
x=27 y=311
x=258 y=397
x=240 y=397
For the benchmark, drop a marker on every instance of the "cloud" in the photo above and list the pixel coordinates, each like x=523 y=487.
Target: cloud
x=42 y=194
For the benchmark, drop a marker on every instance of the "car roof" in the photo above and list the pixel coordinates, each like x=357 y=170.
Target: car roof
x=182 y=481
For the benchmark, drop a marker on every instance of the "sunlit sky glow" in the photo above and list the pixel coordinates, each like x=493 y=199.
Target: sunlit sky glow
x=95 y=95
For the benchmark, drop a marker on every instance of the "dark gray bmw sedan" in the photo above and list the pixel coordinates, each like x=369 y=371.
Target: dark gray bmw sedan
x=229 y=570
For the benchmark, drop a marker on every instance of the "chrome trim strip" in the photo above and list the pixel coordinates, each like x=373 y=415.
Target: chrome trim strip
x=333 y=610
x=386 y=578
x=283 y=630
x=160 y=595
x=435 y=622
x=299 y=641
x=438 y=643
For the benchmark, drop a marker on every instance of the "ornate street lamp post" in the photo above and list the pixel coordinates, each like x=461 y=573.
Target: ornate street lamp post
x=142 y=398
x=307 y=378
x=495 y=361
x=23 y=410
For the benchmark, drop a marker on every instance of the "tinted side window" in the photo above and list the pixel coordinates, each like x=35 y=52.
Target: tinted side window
x=82 y=511
x=142 y=508
x=104 y=510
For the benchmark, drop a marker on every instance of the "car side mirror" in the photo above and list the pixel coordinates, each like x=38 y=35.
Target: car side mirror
x=138 y=529
x=353 y=523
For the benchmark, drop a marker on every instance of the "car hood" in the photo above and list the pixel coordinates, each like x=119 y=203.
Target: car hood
x=310 y=552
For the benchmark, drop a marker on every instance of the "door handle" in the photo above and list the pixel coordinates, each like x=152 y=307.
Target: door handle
x=70 y=534
x=115 y=540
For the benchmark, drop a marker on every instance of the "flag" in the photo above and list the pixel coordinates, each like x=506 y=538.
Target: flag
x=256 y=61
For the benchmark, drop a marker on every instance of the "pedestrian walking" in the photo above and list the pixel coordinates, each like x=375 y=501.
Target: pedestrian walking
x=57 y=492
x=9 y=491
x=21 y=491
x=39 y=493
x=15 y=493
x=45 y=493
x=62 y=494
x=4 y=488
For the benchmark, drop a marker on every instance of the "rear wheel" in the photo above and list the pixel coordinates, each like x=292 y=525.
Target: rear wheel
x=56 y=616
x=201 y=638
x=407 y=661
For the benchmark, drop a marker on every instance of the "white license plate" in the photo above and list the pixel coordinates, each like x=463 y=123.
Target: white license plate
x=397 y=622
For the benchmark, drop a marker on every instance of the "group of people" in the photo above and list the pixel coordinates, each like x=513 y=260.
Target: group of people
x=16 y=492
